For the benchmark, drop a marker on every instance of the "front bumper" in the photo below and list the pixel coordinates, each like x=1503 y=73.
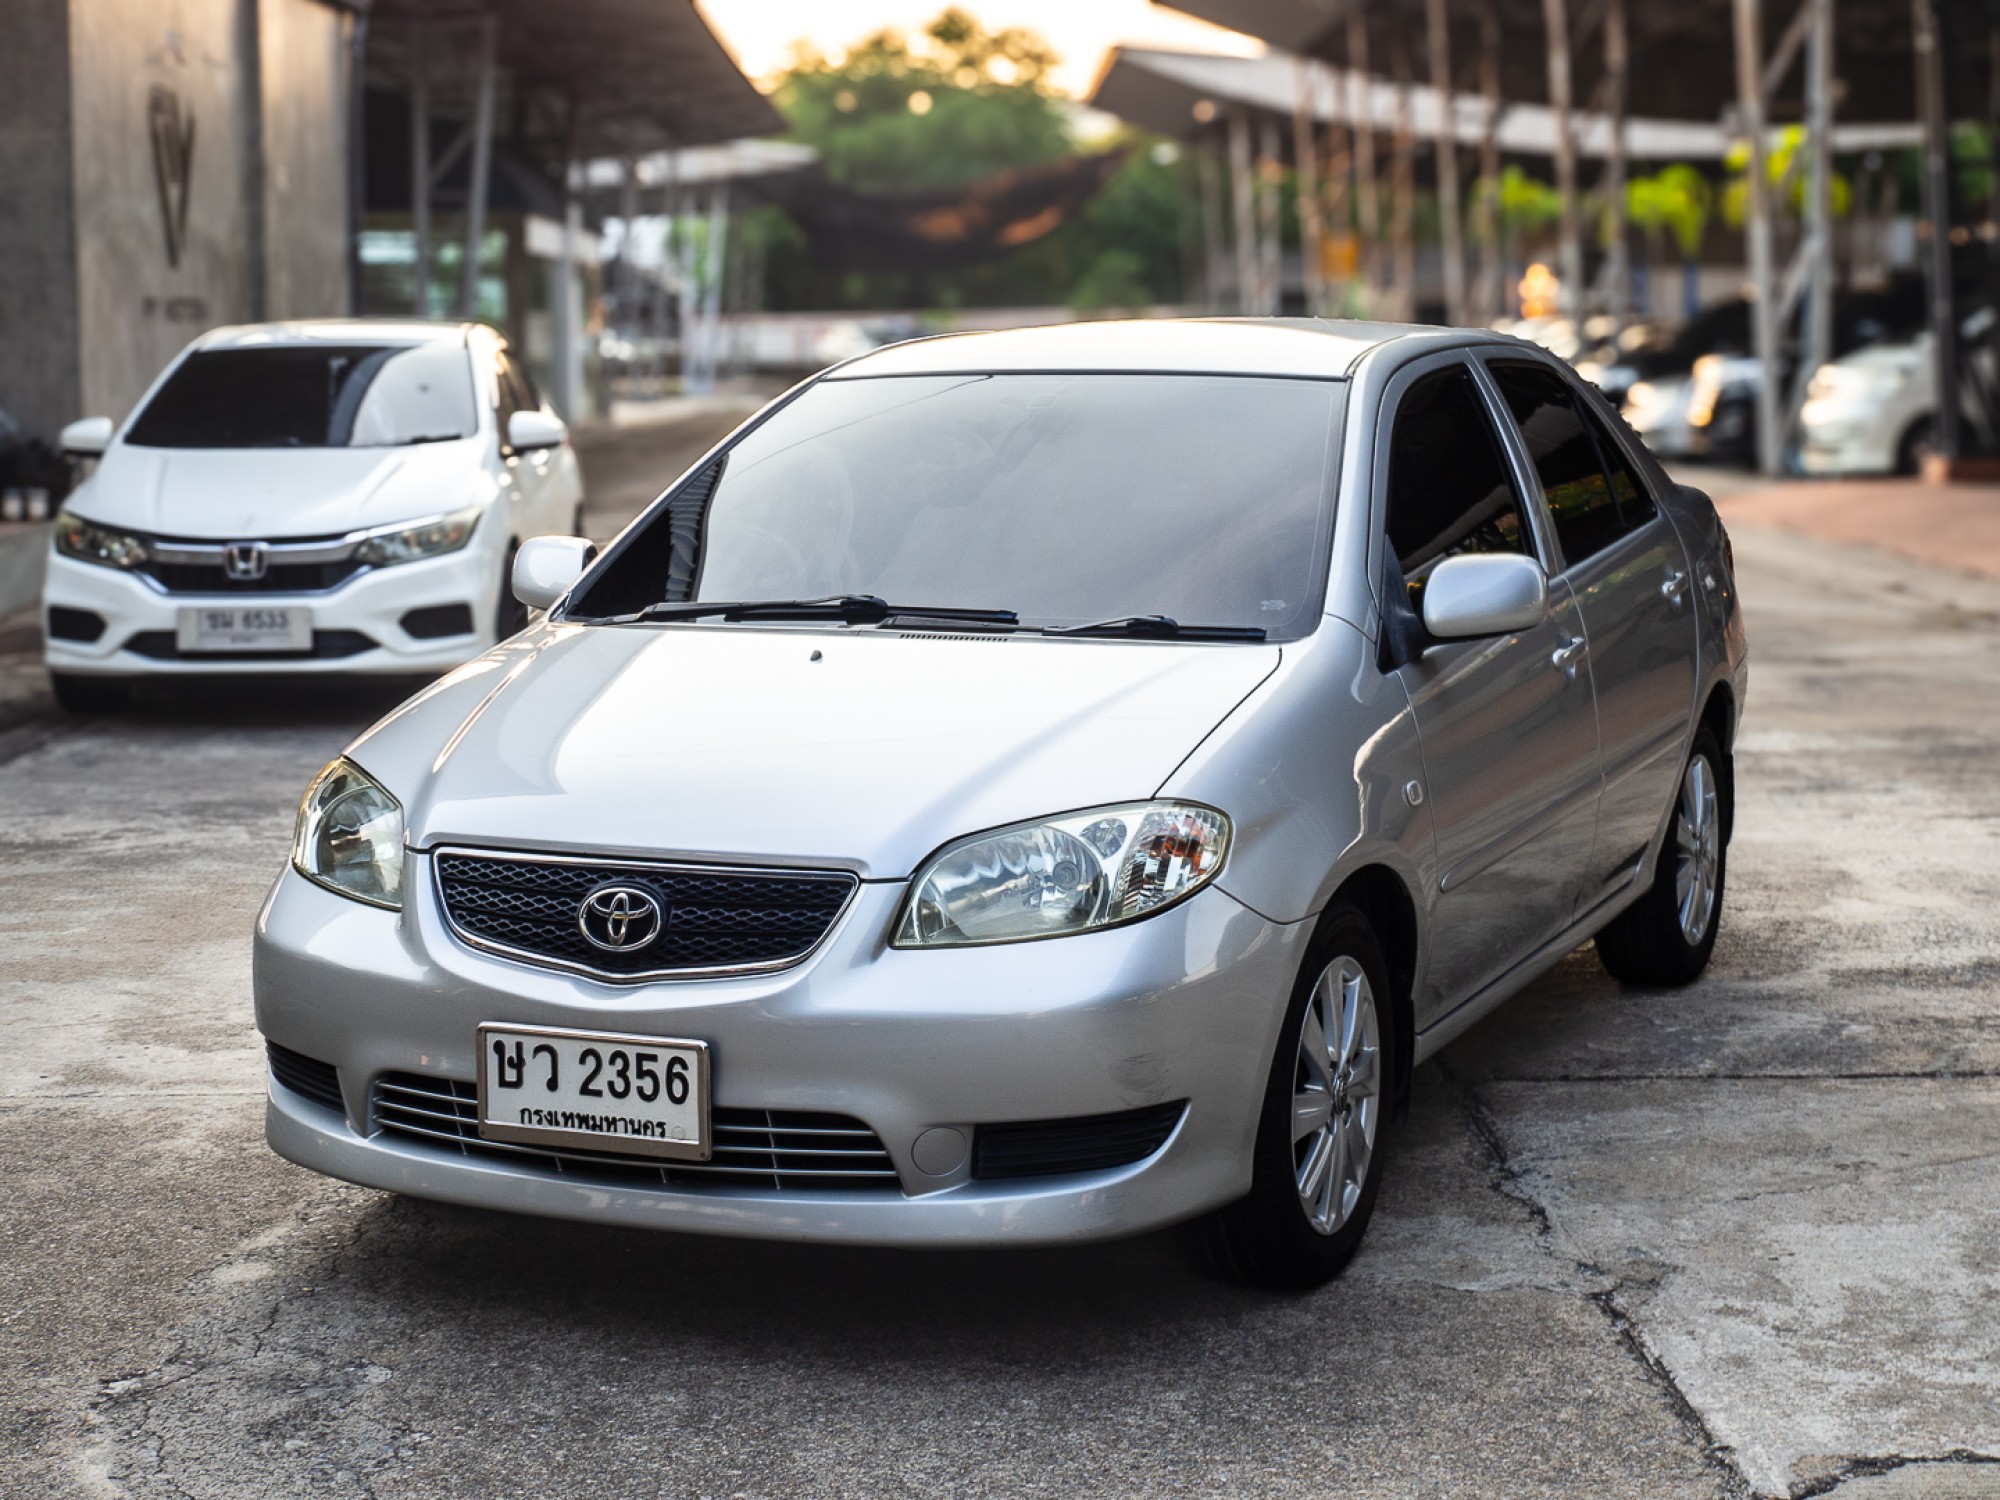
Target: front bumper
x=1186 y=1005
x=139 y=616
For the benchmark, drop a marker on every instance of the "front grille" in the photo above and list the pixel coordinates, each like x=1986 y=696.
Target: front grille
x=161 y=645
x=279 y=577
x=306 y=1076
x=1091 y=1143
x=715 y=920
x=783 y=1150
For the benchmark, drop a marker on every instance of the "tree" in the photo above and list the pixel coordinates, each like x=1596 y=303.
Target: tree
x=1675 y=201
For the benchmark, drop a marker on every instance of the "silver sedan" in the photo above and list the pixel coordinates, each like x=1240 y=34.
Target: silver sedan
x=1025 y=787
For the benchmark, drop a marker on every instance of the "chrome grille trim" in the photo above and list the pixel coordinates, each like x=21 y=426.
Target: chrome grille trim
x=754 y=1149
x=604 y=868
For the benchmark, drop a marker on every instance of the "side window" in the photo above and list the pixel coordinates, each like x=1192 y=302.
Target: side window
x=517 y=393
x=524 y=385
x=1449 y=491
x=1583 y=501
x=1635 y=501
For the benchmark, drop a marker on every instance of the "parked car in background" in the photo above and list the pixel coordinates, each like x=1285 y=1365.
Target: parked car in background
x=305 y=498
x=1025 y=787
x=1874 y=411
x=1657 y=380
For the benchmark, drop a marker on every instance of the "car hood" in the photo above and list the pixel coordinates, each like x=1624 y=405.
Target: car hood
x=229 y=494
x=852 y=749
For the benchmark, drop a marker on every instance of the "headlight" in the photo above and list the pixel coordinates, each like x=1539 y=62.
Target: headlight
x=89 y=542
x=350 y=836
x=433 y=538
x=1070 y=874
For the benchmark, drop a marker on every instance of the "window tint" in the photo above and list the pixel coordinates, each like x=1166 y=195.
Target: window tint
x=312 y=396
x=1579 y=496
x=1635 y=501
x=1449 y=491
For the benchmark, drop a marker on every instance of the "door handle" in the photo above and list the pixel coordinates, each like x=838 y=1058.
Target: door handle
x=1567 y=655
x=1674 y=589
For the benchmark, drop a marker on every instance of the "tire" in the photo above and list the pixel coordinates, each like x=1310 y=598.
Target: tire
x=510 y=615
x=1665 y=937
x=1286 y=1233
x=1915 y=444
x=89 y=695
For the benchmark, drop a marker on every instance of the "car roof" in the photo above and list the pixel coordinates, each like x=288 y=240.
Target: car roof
x=335 y=331
x=1314 y=348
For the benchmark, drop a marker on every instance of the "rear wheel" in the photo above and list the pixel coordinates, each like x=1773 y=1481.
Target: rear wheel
x=1316 y=1167
x=1666 y=936
x=89 y=695
x=1915 y=444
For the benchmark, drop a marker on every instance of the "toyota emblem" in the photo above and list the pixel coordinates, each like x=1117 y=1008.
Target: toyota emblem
x=620 y=918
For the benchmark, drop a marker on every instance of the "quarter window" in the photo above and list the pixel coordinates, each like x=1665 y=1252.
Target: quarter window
x=1592 y=506
x=1449 y=491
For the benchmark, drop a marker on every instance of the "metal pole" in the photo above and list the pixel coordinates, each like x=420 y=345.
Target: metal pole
x=1243 y=202
x=1617 y=67
x=1214 y=252
x=1757 y=235
x=1555 y=18
x=420 y=167
x=1367 y=194
x=1270 y=221
x=357 y=155
x=482 y=167
x=1492 y=264
x=1305 y=149
x=1451 y=231
x=1819 y=209
x=1937 y=211
x=1403 y=229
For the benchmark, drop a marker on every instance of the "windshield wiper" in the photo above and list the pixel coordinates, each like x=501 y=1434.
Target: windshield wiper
x=428 y=437
x=849 y=609
x=1161 y=628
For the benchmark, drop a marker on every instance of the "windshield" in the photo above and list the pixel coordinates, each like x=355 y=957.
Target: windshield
x=312 y=396
x=1068 y=498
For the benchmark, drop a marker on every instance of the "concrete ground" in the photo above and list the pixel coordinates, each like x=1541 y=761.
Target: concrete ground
x=1742 y=1239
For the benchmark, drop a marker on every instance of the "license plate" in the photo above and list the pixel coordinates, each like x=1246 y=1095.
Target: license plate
x=598 y=1091
x=248 y=627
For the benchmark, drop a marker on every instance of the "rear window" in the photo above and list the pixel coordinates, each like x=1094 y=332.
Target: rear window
x=312 y=396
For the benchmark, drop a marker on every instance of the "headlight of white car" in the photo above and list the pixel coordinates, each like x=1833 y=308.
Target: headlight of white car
x=432 y=538
x=1075 y=873
x=350 y=836
x=87 y=541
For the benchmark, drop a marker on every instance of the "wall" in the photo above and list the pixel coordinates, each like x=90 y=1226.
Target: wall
x=39 y=371
x=306 y=106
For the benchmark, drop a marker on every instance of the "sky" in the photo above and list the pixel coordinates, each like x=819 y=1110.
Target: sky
x=760 y=32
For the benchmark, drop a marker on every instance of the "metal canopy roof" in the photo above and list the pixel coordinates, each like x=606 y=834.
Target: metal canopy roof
x=1682 y=50
x=641 y=75
x=1162 y=91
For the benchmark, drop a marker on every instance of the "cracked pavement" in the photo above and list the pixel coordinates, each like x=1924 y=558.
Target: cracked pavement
x=1738 y=1240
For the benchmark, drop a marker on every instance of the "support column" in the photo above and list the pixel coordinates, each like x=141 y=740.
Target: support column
x=1242 y=193
x=1367 y=192
x=420 y=167
x=1617 y=68
x=482 y=169
x=1946 y=438
x=1403 y=229
x=1305 y=152
x=1270 y=221
x=1818 y=344
x=1492 y=297
x=1555 y=17
x=1214 y=250
x=1451 y=233
x=1757 y=234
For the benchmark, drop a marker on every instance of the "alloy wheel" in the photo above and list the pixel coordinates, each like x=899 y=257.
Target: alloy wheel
x=1336 y=1094
x=1698 y=850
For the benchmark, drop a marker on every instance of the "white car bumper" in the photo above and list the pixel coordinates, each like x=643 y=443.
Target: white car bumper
x=108 y=623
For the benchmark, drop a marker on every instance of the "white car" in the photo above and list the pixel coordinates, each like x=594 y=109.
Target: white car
x=1658 y=411
x=1872 y=412
x=329 y=497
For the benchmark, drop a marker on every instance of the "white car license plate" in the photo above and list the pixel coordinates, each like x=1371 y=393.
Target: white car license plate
x=244 y=627
x=587 y=1090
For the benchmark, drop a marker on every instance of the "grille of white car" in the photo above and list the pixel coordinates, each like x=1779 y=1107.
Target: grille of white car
x=712 y=921
x=787 y=1150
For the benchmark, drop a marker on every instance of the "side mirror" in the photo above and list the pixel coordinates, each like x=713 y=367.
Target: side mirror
x=1485 y=594
x=87 y=437
x=535 y=429
x=545 y=567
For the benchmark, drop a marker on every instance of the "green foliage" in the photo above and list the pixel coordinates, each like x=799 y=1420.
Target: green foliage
x=1787 y=168
x=1676 y=200
x=1526 y=203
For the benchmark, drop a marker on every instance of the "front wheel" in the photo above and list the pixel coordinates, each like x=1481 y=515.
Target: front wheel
x=1316 y=1166
x=1665 y=937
